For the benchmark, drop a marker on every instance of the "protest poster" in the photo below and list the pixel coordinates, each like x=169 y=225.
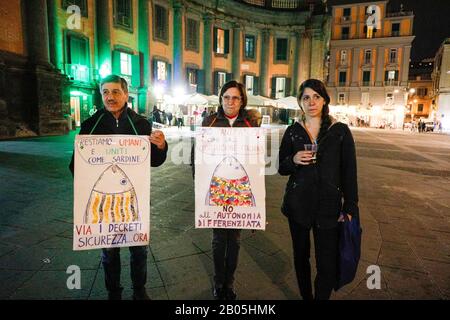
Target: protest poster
x=229 y=178
x=111 y=191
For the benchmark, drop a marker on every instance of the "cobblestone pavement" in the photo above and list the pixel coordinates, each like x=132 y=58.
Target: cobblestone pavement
x=405 y=211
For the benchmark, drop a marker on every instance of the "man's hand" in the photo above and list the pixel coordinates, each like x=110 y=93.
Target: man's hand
x=158 y=139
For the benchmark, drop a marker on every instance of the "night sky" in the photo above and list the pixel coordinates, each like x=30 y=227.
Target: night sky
x=431 y=23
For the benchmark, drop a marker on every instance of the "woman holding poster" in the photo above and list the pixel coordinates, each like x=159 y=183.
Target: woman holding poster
x=226 y=242
x=318 y=154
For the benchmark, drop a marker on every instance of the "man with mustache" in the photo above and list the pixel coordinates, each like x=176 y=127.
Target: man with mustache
x=117 y=118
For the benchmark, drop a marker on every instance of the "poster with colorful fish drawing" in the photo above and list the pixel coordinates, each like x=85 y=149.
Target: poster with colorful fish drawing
x=229 y=178
x=111 y=191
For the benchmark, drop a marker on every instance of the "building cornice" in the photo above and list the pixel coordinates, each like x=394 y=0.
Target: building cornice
x=358 y=4
x=388 y=41
x=236 y=12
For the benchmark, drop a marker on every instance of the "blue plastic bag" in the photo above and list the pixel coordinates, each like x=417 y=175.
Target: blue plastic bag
x=349 y=250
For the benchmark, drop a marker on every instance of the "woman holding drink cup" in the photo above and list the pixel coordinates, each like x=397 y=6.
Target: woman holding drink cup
x=318 y=154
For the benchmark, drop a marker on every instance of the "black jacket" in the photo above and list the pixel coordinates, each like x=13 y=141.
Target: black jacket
x=110 y=125
x=218 y=119
x=317 y=193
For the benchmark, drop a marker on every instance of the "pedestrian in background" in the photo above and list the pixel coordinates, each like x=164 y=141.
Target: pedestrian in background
x=318 y=191
x=179 y=116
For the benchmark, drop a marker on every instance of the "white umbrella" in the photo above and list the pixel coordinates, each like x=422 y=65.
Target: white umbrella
x=255 y=100
x=195 y=99
x=213 y=99
x=289 y=102
x=267 y=101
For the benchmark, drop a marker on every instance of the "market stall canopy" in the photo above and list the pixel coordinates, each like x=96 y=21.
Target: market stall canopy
x=268 y=101
x=258 y=101
x=288 y=102
x=213 y=99
x=195 y=99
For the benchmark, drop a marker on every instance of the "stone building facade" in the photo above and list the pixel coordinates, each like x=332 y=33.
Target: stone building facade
x=53 y=53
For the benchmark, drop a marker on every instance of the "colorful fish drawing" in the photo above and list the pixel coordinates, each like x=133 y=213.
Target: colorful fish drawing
x=230 y=185
x=113 y=199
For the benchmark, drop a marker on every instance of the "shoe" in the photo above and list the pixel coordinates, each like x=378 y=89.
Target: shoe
x=140 y=294
x=230 y=294
x=218 y=293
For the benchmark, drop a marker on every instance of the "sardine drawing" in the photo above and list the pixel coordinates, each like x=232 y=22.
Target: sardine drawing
x=113 y=199
x=230 y=185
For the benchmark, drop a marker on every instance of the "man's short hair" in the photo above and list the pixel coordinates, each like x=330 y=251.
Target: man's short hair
x=112 y=78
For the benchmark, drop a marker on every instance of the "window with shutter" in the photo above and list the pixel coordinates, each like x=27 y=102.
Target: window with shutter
x=125 y=64
x=249 y=84
x=395 y=30
x=221 y=80
x=220 y=41
x=281 y=49
x=280 y=88
x=366 y=78
x=160 y=23
x=249 y=47
x=342 y=78
x=77 y=54
x=123 y=16
x=192 y=34
x=80 y=3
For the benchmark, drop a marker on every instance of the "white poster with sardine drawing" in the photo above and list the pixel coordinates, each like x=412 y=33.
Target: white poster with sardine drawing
x=229 y=178
x=111 y=191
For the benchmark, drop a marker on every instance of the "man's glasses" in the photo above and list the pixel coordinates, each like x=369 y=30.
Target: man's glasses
x=231 y=98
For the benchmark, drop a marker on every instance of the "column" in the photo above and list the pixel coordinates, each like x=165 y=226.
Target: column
x=55 y=36
x=207 y=52
x=355 y=67
x=305 y=56
x=265 y=45
x=332 y=68
x=143 y=39
x=103 y=36
x=317 y=55
x=37 y=31
x=295 y=36
x=405 y=65
x=177 y=43
x=236 y=65
x=379 y=77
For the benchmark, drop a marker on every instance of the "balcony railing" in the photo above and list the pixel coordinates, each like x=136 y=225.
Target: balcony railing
x=366 y=83
x=78 y=72
x=395 y=34
x=399 y=14
x=346 y=19
x=341 y=84
x=392 y=83
x=345 y=36
x=277 y=4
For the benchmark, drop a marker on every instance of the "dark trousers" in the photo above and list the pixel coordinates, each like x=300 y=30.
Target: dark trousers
x=326 y=249
x=225 y=246
x=138 y=266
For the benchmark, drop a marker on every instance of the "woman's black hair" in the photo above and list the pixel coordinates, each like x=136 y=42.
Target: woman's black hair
x=318 y=87
x=239 y=86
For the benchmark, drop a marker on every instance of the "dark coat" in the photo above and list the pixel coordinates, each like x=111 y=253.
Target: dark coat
x=110 y=125
x=218 y=119
x=316 y=194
